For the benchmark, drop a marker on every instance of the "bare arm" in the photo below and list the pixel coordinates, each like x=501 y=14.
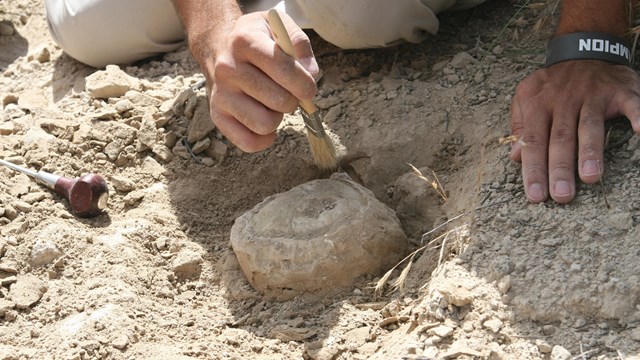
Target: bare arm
x=250 y=81
x=613 y=17
x=205 y=22
x=563 y=108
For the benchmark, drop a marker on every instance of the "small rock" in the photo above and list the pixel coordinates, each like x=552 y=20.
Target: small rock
x=504 y=284
x=217 y=150
x=123 y=105
x=187 y=264
x=560 y=353
x=358 y=336
x=543 y=346
x=40 y=54
x=170 y=139
x=122 y=183
x=37 y=136
x=6 y=305
x=7 y=128
x=161 y=244
x=44 y=252
x=207 y=161
x=430 y=352
x=456 y=295
x=161 y=119
x=335 y=112
x=133 y=197
x=90 y=345
x=13 y=111
x=201 y=145
x=461 y=60
x=163 y=152
x=10 y=212
x=113 y=149
x=111 y=82
x=9 y=266
x=15 y=228
x=8 y=280
x=27 y=291
x=498 y=50
x=10 y=315
x=152 y=167
x=147 y=134
x=23 y=206
x=120 y=342
x=495 y=325
x=21 y=186
x=548 y=330
x=200 y=125
x=33 y=98
x=456 y=350
x=441 y=331
x=105 y=114
x=479 y=77
x=34 y=197
x=141 y=99
x=180 y=150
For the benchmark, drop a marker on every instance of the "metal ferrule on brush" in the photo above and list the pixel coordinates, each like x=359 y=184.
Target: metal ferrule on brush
x=313 y=123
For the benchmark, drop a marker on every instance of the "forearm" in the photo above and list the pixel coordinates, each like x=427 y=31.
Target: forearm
x=205 y=22
x=611 y=16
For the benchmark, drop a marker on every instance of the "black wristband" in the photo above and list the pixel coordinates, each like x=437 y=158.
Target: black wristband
x=588 y=46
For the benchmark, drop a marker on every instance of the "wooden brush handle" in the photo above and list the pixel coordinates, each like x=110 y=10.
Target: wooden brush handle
x=281 y=37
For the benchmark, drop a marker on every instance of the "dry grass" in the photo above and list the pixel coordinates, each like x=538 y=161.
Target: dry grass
x=433 y=183
x=437 y=243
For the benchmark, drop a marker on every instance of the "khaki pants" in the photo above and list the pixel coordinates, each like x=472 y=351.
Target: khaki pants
x=102 y=32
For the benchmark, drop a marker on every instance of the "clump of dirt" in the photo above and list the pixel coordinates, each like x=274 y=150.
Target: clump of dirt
x=154 y=277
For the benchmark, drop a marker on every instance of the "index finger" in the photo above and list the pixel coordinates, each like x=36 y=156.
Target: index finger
x=534 y=154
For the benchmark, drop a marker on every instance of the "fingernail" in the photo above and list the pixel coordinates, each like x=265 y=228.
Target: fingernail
x=590 y=168
x=562 y=188
x=536 y=192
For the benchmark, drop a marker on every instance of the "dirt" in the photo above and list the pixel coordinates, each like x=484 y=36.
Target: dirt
x=493 y=277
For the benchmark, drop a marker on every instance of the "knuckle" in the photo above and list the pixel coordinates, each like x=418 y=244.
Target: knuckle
x=241 y=40
x=300 y=38
x=561 y=167
x=527 y=87
x=562 y=133
x=267 y=123
x=286 y=103
x=224 y=67
x=532 y=141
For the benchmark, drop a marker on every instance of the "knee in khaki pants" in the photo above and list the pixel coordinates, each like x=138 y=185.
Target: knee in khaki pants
x=102 y=32
x=352 y=24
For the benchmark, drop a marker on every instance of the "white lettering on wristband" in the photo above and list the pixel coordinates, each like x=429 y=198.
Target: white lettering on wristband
x=600 y=45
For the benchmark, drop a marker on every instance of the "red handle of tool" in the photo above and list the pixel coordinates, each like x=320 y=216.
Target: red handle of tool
x=87 y=195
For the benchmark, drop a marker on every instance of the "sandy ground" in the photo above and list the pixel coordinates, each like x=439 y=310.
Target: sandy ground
x=154 y=277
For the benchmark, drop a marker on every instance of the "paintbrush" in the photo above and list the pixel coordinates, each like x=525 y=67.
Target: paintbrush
x=322 y=148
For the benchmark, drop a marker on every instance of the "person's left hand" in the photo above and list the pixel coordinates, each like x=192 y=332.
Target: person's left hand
x=562 y=109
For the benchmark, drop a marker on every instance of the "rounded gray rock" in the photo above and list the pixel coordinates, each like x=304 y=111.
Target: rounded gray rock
x=319 y=235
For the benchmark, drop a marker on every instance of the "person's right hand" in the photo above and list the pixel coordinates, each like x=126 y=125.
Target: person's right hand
x=252 y=82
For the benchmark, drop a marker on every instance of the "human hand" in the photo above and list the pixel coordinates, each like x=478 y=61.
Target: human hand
x=252 y=82
x=561 y=109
